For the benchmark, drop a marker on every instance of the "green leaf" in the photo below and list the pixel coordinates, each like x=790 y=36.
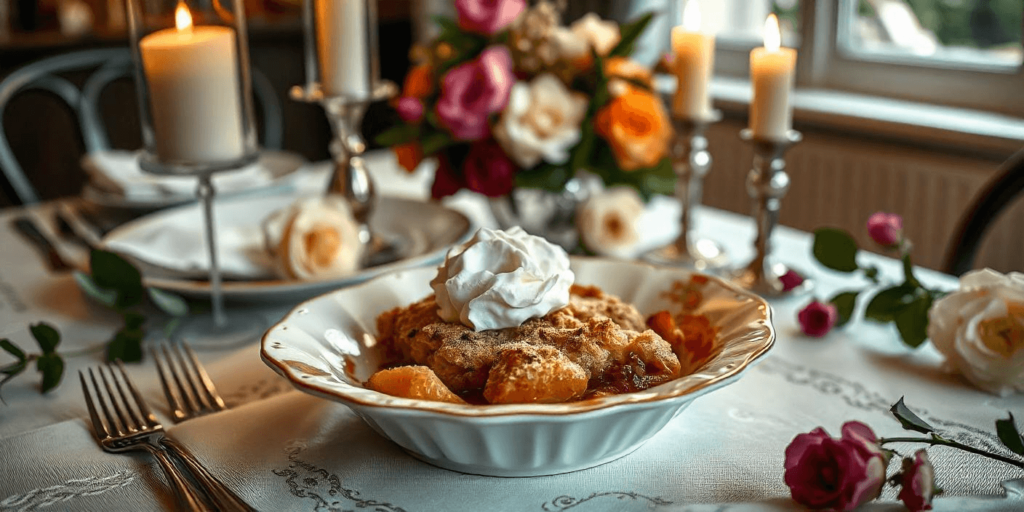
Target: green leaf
x=126 y=346
x=912 y=321
x=12 y=349
x=835 y=249
x=88 y=285
x=1009 y=435
x=884 y=306
x=546 y=177
x=581 y=153
x=435 y=142
x=398 y=134
x=114 y=272
x=47 y=337
x=168 y=302
x=908 y=419
x=630 y=32
x=52 y=368
x=134 y=321
x=845 y=303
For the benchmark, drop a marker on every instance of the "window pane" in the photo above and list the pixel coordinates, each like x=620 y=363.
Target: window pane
x=987 y=32
x=743 y=20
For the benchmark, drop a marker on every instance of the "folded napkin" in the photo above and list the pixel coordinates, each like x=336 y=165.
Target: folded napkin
x=118 y=172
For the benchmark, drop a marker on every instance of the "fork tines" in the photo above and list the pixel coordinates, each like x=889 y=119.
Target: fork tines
x=193 y=393
x=126 y=419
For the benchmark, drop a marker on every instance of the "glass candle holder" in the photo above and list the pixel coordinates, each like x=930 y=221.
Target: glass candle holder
x=194 y=85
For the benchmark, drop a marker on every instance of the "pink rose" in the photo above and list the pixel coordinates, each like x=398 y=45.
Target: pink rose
x=446 y=181
x=488 y=170
x=473 y=91
x=487 y=16
x=818 y=318
x=790 y=280
x=885 y=229
x=918 y=481
x=409 y=109
x=841 y=474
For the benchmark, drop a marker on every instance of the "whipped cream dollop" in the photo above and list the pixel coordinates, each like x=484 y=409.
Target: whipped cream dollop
x=501 y=279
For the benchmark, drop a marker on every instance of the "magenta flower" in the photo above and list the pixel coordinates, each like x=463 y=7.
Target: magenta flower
x=409 y=109
x=885 y=229
x=488 y=169
x=918 y=481
x=446 y=181
x=790 y=280
x=487 y=16
x=840 y=474
x=473 y=91
x=818 y=318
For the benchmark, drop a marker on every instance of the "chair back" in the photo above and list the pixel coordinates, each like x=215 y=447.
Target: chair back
x=109 y=64
x=991 y=201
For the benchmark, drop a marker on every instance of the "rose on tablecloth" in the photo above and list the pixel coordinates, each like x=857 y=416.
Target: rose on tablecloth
x=542 y=121
x=918 y=480
x=818 y=318
x=315 y=238
x=886 y=229
x=607 y=222
x=840 y=474
x=980 y=330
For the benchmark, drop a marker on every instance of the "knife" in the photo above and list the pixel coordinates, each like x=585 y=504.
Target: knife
x=28 y=229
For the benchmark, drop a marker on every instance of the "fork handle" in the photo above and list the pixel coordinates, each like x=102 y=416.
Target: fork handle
x=183 y=492
x=223 y=497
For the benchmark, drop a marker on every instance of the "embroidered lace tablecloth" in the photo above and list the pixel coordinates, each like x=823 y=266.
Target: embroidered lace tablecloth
x=284 y=450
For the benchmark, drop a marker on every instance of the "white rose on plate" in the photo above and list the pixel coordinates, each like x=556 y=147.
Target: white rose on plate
x=315 y=238
x=608 y=220
x=980 y=330
x=542 y=121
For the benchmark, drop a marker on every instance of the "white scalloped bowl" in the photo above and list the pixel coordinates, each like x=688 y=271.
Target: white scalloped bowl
x=327 y=347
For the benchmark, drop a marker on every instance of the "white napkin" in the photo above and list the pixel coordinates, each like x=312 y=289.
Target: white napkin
x=118 y=172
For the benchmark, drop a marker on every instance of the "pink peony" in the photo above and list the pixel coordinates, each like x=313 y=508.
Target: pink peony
x=841 y=474
x=409 y=109
x=918 y=480
x=446 y=181
x=790 y=280
x=473 y=91
x=487 y=16
x=818 y=318
x=885 y=229
x=488 y=170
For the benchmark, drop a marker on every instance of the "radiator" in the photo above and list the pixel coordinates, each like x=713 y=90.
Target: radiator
x=840 y=181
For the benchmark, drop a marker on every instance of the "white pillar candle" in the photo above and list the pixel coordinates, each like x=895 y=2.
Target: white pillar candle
x=694 y=60
x=771 y=73
x=342 y=47
x=194 y=96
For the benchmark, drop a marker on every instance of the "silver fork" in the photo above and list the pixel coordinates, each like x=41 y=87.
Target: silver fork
x=127 y=430
x=187 y=401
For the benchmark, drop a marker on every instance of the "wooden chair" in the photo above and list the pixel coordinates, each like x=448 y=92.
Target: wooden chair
x=109 y=64
x=993 y=200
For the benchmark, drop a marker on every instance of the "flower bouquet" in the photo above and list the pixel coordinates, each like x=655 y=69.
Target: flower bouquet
x=507 y=97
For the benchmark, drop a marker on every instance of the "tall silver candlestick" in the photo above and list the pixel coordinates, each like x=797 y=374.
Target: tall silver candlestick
x=691 y=162
x=767 y=184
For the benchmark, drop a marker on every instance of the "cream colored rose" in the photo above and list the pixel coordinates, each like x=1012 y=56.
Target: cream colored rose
x=590 y=31
x=608 y=222
x=315 y=238
x=542 y=121
x=980 y=330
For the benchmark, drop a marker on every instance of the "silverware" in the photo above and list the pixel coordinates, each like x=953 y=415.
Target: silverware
x=28 y=229
x=128 y=430
x=192 y=395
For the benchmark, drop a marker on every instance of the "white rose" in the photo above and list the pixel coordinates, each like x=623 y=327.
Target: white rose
x=315 y=238
x=542 y=120
x=590 y=31
x=608 y=222
x=980 y=330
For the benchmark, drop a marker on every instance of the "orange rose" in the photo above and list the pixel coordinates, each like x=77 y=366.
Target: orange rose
x=409 y=155
x=418 y=83
x=629 y=71
x=636 y=127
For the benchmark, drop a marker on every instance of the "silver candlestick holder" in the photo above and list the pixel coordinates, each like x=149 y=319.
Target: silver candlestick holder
x=767 y=184
x=691 y=162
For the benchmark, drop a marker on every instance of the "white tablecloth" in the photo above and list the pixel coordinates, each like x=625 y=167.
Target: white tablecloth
x=284 y=450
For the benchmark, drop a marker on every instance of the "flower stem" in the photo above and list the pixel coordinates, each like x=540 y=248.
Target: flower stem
x=84 y=351
x=952 y=444
x=908 y=271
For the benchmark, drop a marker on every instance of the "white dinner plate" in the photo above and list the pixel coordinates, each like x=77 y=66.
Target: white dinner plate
x=426 y=231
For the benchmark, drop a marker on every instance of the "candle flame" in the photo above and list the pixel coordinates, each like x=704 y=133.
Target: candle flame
x=183 y=18
x=772 y=34
x=691 y=15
